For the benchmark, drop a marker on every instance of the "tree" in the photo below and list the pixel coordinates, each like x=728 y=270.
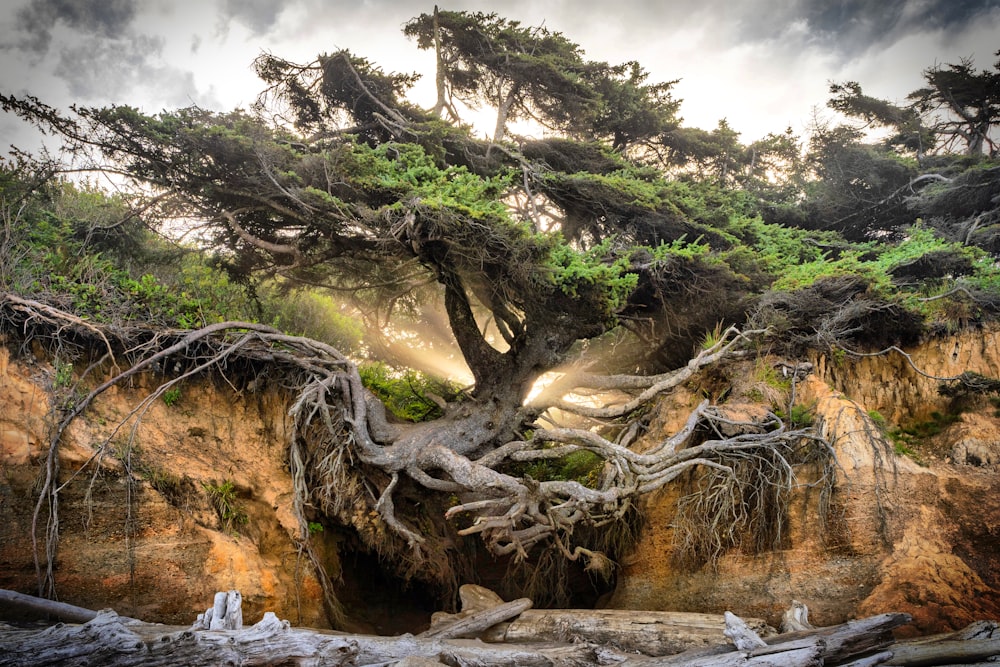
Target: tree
x=910 y=134
x=858 y=188
x=522 y=72
x=337 y=182
x=632 y=112
x=964 y=105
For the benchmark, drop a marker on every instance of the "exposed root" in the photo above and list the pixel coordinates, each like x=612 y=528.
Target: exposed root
x=347 y=462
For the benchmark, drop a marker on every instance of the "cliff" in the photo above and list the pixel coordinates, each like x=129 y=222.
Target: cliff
x=911 y=524
x=196 y=497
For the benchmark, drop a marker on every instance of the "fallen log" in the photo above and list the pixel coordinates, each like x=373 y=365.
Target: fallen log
x=476 y=653
x=29 y=605
x=852 y=639
x=479 y=621
x=806 y=652
x=953 y=652
x=109 y=641
x=655 y=633
x=833 y=645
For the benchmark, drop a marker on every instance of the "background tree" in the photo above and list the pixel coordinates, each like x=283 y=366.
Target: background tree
x=632 y=113
x=524 y=73
x=964 y=105
x=909 y=135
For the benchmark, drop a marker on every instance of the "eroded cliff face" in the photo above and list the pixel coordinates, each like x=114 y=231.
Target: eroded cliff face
x=141 y=533
x=900 y=537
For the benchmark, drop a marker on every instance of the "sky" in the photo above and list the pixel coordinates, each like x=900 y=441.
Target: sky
x=763 y=65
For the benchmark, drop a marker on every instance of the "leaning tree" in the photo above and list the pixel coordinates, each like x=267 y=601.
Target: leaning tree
x=336 y=182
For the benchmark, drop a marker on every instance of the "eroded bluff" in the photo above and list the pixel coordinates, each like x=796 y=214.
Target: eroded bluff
x=198 y=499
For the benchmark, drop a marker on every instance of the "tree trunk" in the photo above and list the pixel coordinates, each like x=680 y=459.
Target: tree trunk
x=478 y=621
x=944 y=652
x=502 y=113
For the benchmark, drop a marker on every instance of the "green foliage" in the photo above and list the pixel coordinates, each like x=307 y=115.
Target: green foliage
x=72 y=247
x=581 y=466
x=530 y=72
x=223 y=498
x=712 y=337
x=171 y=396
x=64 y=373
x=596 y=272
x=914 y=440
x=310 y=313
x=315 y=528
x=800 y=416
x=406 y=393
x=919 y=266
x=877 y=419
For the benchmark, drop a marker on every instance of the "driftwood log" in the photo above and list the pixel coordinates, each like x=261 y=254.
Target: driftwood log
x=653 y=633
x=110 y=640
x=32 y=607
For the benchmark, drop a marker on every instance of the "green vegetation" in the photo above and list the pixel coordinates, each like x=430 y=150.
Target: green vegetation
x=800 y=416
x=580 y=466
x=171 y=396
x=408 y=394
x=223 y=498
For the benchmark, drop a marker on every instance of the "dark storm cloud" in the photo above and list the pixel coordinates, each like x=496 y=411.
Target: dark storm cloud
x=850 y=28
x=258 y=15
x=106 y=18
x=106 y=67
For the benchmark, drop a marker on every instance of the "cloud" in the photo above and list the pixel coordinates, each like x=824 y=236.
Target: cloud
x=260 y=16
x=115 y=69
x=107 y=18
x=852 y=28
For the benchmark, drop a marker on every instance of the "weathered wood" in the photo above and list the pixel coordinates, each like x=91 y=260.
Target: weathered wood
x=478 y=621
x=833 y=645
x=740 y=633
x=870 y=661
x=852 y=639
x=943 y=652
x=655 y=633
x=476 y=653
x=805 y=652
x=60 y=611
x=108 y=641
x=226 y=613
x=796 y=618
